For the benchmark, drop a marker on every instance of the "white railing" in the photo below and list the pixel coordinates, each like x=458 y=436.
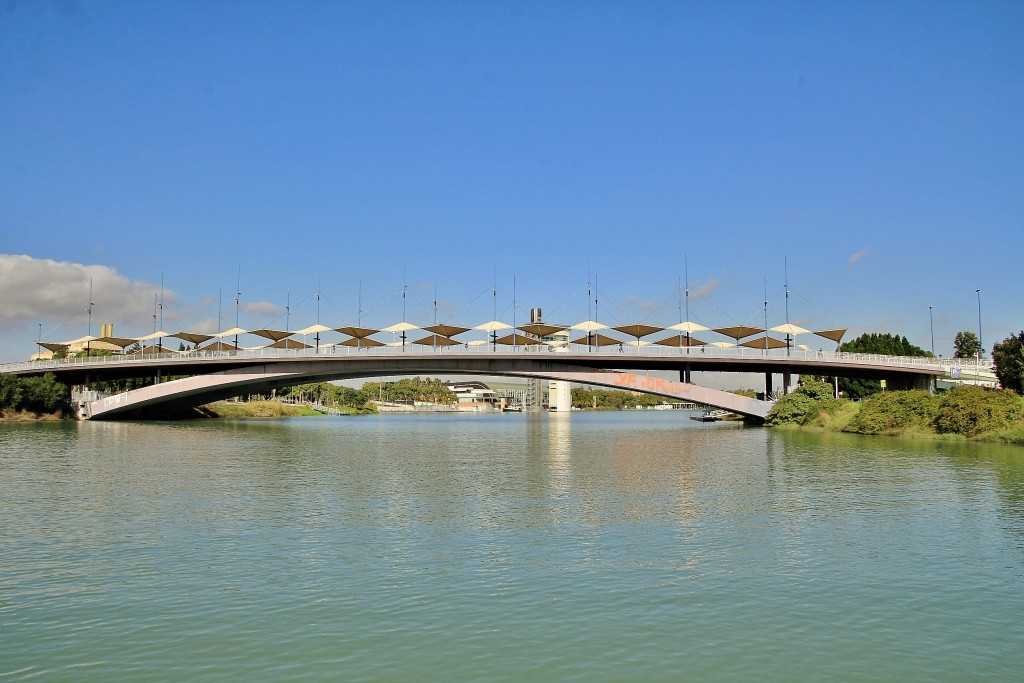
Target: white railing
x=610 y=352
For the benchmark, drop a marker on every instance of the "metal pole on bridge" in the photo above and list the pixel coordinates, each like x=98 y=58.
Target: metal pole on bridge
x=931 y=328
x=981 y=348
x=238 y=298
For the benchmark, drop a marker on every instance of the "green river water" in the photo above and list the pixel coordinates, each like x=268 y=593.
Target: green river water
x=637 y=546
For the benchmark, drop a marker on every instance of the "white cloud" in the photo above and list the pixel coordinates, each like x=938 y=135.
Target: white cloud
x=36 y=290
x=705 y=289
x=203 y=325
x=633 y=301
x=262 y=308
x=858 y=256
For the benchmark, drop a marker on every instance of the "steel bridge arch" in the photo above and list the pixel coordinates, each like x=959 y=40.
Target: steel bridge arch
x=190 y=392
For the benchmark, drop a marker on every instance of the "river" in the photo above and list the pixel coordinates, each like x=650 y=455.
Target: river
x=634 y=546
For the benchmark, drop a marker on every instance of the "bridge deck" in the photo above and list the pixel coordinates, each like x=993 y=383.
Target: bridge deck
x=868 y=366
x=209 y=376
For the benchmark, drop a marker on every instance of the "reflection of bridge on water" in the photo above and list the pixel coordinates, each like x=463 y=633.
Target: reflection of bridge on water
x=215 y=375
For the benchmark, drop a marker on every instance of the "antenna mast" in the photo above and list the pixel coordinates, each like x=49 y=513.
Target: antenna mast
x=238 y=301
x=89 y=309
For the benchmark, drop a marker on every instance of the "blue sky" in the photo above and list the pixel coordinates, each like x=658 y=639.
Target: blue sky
x=875 y=151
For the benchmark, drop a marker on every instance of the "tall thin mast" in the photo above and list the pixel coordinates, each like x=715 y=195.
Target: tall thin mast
x=589 y=317
x=494 y=304
x=160 y=341
x=785 y=263
x=89 y=329
x=686 y=268
x=318 y=312
x=161 y=301
x=513 y=312
x=238 y=301
x=766 y=315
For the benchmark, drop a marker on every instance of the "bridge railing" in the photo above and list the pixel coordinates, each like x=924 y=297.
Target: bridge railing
x=625 y=350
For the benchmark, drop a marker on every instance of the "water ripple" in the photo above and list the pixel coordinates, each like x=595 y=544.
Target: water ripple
x=601 y=547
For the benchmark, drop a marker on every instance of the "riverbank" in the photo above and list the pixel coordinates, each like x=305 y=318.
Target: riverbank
x=28 y=416
x=968 y=413
x=232 y=409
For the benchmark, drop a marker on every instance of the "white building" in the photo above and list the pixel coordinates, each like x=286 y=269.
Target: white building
x=474 y=396
x=559 y=396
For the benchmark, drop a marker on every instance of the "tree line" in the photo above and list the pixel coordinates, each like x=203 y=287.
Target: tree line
x=406 y=390
x=33 y=394
x=969 y=411
x=611 y=399
x=1007 y=358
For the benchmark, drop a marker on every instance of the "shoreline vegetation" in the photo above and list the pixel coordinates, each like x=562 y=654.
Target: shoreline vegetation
x=964 y=413
x=257 y=408
x=33 y=399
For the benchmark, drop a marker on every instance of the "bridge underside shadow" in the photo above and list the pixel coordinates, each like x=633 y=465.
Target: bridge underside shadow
x=168 y=398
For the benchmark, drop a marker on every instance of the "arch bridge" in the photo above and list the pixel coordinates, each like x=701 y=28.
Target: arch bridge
x=205 y=377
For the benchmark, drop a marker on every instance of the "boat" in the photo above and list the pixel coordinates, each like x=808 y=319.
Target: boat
x=708 y=416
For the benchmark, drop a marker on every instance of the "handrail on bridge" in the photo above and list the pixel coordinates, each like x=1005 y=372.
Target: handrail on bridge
x=653 y=351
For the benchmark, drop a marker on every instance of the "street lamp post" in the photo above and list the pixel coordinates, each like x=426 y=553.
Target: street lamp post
x=238 y=301
x=89 y=332
x=931 y=326
x=981 y=348
x=981 y=344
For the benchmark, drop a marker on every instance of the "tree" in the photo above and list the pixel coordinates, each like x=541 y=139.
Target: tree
x=803 y=406
x=1008 y=358
x=881 y=344
x=45 y=394
x=974 y=410
x=966 y=345
x=36 y=394
x=612 y=399
x=11 y=392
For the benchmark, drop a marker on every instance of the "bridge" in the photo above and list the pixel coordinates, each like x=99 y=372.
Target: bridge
x=204 y=376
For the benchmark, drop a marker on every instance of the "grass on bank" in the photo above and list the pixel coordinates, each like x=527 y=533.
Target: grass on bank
x=968 y=412
x=9 y=415
x=231 y=409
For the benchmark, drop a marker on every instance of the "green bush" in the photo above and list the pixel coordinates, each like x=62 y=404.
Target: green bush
x=819 y=391
x=803 y=406
x=10 y=391
x=35 y=394
x=611 y=399
x=971 y=410
x=1008 y=357
x=894 y=411
x=794 y=409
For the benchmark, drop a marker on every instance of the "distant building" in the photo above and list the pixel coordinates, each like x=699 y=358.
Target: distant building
x=559 y=396
x=474 y=396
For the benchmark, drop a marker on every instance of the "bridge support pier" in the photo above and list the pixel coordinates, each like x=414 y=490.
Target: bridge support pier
x=787 y=379
x=684 y=374
x=767 y=385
